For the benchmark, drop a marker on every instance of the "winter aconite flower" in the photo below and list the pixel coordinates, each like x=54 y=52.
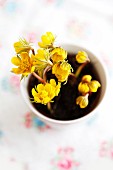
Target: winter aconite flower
x=86 y=78
x=82 y=57
x=42 y=60
x=86 y=85
x=83 y=88
x=44 y=93
x=22 y=46
x=94 y=85
x=58 y=54
x=24 y=64
x=61 y=71
x=82 y=101
x=47 y=40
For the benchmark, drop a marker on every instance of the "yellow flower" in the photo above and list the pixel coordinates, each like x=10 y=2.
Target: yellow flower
x=42 y=58
x=86 y=85
x=82 y=57
x=86 y=78
x=94 y=85
x=44 y=93
x=24 y=63
x=82 y=101
x=22 y=46
x=61 y=71
x=83 y=87
x=58 y=54
x=47 y=40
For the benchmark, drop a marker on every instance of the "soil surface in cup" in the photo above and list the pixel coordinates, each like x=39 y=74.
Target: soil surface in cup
x=64 y=106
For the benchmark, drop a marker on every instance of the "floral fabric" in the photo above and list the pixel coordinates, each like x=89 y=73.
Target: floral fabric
x=26 y=143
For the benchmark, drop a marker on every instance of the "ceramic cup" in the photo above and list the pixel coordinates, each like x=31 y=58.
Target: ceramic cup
x=103 y=76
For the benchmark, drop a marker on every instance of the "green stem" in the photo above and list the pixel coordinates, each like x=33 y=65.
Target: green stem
x=78 y=71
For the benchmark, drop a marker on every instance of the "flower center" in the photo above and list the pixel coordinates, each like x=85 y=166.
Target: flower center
x=25 y=64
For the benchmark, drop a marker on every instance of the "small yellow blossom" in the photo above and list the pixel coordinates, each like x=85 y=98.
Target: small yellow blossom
x=82 y=101
x=94 y=85
x=82 y=57
x=42 y=59
x=61 y=71
x=86 y=78
x=83 y=87
x=47 y=40
x=44 y=93
x=24 y=63
x=22 y=46
x=86 y=85
x=58 y=54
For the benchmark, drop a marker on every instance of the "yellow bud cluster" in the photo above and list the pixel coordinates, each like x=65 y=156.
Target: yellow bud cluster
x=86 y=87
x=82 y=101
x=47 y=40
x=82 y=57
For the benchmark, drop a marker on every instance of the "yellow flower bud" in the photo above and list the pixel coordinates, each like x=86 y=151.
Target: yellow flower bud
x=22 y=46
x=41 y=59
x=61 y=71
x=58 y=54
x=82 y=57
x=47 y=40
x=82 y=101
x=83 y=88
x=94 y=85
x=86 y=78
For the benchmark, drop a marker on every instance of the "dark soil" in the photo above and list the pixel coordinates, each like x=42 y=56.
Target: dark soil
x=64 y=106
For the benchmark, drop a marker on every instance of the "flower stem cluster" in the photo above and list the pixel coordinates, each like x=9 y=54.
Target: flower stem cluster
x=50 y=57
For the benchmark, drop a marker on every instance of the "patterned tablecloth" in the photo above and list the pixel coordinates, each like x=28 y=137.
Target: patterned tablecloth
x=26 y=143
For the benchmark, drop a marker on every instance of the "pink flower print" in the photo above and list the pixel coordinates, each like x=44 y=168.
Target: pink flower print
x=15 y=81
x=2 y=2
x=103 y=149
x=66 y=151
x=112 y=152
x=11 y=84
x=106 y=149
x=28 y=120
x=31 y=120
x=65 y=164
x=65 y=159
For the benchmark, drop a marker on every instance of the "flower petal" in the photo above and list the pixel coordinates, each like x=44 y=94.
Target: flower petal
x=40 y=87
x=16 y=61
x=34 y=93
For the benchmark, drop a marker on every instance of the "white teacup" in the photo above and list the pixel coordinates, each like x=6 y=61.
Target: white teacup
x=102 y=73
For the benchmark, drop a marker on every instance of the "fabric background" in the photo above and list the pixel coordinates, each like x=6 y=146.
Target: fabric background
x=26 y=143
